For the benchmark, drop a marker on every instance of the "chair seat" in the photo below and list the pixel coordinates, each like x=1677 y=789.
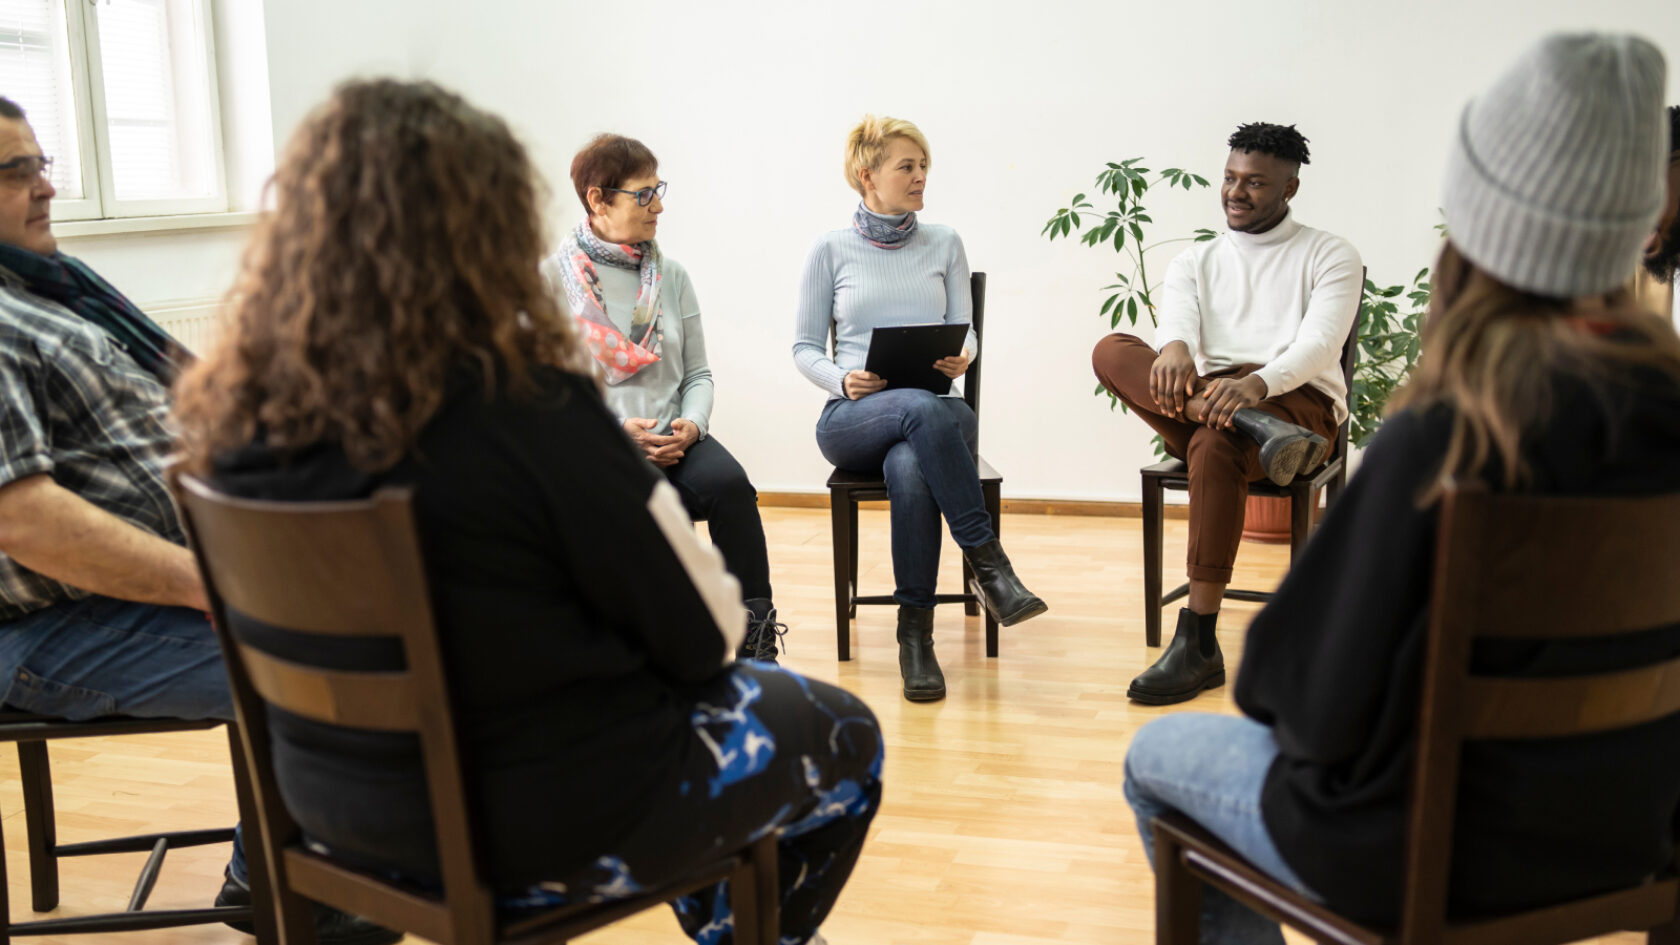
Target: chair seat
x=17 y=725
x=1175 y=475
x=851 y=479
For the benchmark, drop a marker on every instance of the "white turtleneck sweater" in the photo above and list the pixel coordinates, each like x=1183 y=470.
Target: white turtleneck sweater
x=1284 y=299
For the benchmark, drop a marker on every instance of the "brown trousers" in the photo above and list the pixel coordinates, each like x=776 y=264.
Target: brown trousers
x=1222 y=463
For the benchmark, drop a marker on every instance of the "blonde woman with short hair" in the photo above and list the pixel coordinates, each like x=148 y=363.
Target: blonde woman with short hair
x=888 y=269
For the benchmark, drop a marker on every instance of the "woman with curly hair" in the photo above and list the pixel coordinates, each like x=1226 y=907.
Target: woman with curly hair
x=888 y=269
x=640 y=320
x=390 y=326
x=1538 y=375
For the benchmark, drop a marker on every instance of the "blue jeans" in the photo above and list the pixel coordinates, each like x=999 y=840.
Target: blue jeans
x=101 y=656
x=1211 y=769
x=924 y=446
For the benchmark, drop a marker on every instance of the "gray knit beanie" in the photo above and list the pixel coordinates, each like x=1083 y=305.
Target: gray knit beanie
x=1555 y=175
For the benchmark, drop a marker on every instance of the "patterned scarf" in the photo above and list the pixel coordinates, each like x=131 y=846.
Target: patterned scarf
x=69 y=282
x=622 y=356
x=879 y=232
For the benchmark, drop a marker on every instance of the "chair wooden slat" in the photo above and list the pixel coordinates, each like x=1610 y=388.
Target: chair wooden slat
x=263 y=558
x=381 y=701
x=1570 y=705
x=1552 y=542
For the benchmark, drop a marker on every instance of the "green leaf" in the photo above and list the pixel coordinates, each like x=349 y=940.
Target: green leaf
x=1108 y=304
x=1075 y=218
x=1131 y=309
x=1137 y=232
x=1200 y=179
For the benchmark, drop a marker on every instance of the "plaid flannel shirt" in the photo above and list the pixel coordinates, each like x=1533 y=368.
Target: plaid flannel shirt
x=75 y=406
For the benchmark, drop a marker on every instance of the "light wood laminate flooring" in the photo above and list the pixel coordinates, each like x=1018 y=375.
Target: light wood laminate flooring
x=1002 y=822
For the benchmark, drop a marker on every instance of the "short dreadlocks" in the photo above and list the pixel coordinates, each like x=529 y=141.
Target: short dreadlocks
x=1280 y=141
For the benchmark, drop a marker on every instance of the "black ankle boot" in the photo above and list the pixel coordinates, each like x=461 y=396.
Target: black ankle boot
x=923 y=681
x=1191 y=663
x=1286 y=450
x=998 y=588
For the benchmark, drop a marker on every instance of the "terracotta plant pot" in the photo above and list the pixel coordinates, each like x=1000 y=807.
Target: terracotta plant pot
x=1266 y=520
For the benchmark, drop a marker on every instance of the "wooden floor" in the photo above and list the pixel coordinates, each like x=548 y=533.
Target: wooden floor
x=1002 y=822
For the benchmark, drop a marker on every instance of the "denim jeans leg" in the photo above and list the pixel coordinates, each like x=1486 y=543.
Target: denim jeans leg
x=101 y=656
x=1211 y=768
x=915 y=528
x=924 y=446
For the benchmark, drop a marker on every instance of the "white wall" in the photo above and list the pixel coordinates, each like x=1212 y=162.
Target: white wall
x=747 y=103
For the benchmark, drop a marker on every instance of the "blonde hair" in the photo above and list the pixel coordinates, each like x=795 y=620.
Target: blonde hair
x=1493 y=355
x=866 y=146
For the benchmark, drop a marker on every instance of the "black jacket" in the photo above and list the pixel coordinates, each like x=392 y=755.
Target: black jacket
x=569 y=629
x=1334 y=665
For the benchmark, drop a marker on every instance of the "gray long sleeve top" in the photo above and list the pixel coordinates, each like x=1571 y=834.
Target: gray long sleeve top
x=680 y=383
x=858 y=287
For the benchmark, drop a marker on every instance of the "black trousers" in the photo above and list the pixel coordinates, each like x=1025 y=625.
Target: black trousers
x=770 y=750
x=715 y=488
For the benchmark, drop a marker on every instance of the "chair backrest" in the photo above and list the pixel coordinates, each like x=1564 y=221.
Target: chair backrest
x=1350 y=359
x=340 y=569
x=971 y=380
x=1501 y=571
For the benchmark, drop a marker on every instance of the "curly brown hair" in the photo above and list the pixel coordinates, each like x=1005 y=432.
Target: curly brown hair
x=402 y=253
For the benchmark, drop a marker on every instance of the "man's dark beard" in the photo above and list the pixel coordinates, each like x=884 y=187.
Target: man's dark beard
x=1665 y=265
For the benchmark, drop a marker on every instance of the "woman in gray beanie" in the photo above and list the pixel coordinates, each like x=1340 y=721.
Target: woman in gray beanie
x=1536 y=376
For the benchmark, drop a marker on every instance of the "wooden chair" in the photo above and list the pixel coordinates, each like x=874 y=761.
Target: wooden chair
x=1302 y=494
x=32 y=733
x=354 y=569
x=847 y=488
x=1498 y=574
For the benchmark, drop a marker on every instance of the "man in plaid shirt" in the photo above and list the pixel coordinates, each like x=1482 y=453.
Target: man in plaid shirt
x=101 y=608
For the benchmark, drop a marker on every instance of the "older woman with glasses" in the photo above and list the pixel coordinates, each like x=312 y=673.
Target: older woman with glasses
x=887 y=269
x=637 y=311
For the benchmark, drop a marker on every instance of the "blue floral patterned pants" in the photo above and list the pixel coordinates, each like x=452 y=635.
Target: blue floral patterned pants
x=771 y=751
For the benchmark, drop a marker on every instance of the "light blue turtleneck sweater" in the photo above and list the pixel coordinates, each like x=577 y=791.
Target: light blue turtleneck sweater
x=858 y=287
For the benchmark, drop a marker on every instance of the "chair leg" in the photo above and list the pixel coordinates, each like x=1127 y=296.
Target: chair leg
x=852 y=565
x=838 y=505
x=993 y=492
x=1178 y=896
x=1301 y=502
x=42 y=823
x=767 y=894
x=263 y=918
x=971 y=608
x=1152 y=539
x=5 y=895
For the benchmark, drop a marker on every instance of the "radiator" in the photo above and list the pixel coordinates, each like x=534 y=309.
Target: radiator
x=192 y=322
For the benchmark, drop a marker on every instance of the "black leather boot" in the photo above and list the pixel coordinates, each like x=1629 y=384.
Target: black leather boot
x=923 y=681
x=1191 y=663
x=1286 y=450
x=998 y=588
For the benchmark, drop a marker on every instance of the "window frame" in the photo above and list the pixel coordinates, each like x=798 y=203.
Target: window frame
x=99 y=200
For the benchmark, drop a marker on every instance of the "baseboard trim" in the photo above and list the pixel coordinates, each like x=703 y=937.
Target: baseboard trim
x=819 y=500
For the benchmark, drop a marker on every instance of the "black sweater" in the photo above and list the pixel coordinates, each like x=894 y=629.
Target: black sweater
x=1334 y=665
x=568 y=625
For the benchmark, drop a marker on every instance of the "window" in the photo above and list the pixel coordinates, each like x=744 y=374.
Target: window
x=122 y=95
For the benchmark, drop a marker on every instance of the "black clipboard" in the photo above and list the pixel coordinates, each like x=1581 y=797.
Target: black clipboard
x=904 y=355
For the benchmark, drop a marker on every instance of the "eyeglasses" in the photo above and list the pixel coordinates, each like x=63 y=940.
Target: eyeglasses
x=644 y=196
x=25 y=171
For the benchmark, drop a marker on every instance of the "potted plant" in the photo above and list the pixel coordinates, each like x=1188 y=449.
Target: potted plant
x=1388 y=335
